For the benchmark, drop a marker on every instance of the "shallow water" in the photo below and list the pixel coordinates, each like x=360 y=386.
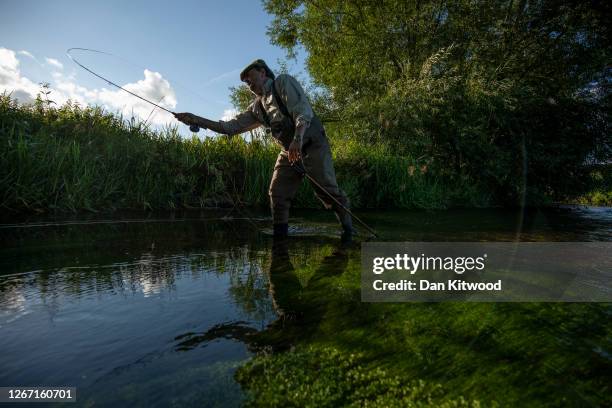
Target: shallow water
x=160 y=309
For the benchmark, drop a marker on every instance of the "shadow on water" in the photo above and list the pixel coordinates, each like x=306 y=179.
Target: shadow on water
x=172 y=310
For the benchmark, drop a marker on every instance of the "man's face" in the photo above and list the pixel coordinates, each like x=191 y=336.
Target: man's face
x=255 y=80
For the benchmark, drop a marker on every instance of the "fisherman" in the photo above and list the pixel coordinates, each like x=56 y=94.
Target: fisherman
x=281 y=105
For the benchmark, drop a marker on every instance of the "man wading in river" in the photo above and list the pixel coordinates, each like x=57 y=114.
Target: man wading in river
x=281 y=105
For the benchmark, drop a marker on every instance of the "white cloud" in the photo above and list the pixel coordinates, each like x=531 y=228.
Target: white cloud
x=8 y=60
x=229 y=114
x=153 y=87
x=55 y=63
x=11 y=81
x=27 y=54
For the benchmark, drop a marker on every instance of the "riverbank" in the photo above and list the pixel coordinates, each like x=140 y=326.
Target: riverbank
x=70 y=159
x=600 y=188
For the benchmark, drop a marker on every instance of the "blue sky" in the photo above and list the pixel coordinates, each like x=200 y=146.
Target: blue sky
x=194 y=50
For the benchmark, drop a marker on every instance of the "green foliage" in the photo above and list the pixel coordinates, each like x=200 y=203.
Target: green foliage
x=600 y=187
x=241 y=97
x=327 y=377
x=72 y=158
x=511 y=95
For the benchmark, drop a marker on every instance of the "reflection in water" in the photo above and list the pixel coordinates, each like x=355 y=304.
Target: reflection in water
x=294 y=301
x=98 y=306
x=13 y=305
x=299 y=306
x=231 y=331
x=128 y=310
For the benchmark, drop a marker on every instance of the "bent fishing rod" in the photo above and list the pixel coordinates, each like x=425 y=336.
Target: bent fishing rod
x=195 y=128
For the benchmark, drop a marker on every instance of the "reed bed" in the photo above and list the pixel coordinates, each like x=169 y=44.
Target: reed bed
x=73 y=158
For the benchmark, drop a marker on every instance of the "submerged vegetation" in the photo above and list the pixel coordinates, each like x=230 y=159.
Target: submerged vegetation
x=339 y=351
x=324 y=347
x=328 y=377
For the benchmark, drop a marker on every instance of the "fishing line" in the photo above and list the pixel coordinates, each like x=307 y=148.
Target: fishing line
x=108 y=80
x=195 y=128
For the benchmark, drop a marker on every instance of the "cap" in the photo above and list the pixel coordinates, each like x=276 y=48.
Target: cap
x=258 y=63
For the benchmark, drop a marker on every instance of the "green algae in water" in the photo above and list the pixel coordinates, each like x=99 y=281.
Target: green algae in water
x=317 y=376
x=337 y=351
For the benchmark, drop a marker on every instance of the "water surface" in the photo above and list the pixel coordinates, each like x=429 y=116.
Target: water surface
x=160 y=309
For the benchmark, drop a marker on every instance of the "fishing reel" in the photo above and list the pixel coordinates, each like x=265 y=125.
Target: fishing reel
x=194 y=128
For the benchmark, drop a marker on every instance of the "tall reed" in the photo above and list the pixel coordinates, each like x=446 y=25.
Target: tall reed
x=73 y=158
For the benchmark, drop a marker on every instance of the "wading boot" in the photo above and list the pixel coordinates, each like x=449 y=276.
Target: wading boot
x=281 y=230
x=347 y=225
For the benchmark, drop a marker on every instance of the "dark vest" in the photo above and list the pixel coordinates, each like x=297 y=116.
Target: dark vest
x=283 y=131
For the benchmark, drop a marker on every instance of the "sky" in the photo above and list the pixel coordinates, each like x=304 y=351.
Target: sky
x=184 y=54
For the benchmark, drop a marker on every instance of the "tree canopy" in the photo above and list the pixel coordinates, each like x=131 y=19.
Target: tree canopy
x=511 y=94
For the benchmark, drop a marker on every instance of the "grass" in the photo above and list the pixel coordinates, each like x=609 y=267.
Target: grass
x=72 y=158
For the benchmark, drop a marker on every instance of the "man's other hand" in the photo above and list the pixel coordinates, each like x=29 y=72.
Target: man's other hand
x=294 y=152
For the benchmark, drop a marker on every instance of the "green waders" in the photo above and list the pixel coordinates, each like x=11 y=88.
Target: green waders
x=317 y=161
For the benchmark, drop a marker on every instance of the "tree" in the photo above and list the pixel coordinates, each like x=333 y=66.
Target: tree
x=490 y=90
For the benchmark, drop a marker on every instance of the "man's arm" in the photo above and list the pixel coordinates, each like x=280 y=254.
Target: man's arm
x=297 y=104
x=300 y=110
x=241 y=123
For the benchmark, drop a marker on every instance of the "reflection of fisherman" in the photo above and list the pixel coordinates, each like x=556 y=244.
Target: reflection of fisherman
x=281 y=105
x=300 y=308
x=293 y=301
x=285 y=288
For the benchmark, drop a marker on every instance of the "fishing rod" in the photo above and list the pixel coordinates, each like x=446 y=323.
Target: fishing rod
x=196 y=128
x=193 y=128
x=300 y=169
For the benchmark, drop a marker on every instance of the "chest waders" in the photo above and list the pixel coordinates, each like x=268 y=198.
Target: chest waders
x=316 y=165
